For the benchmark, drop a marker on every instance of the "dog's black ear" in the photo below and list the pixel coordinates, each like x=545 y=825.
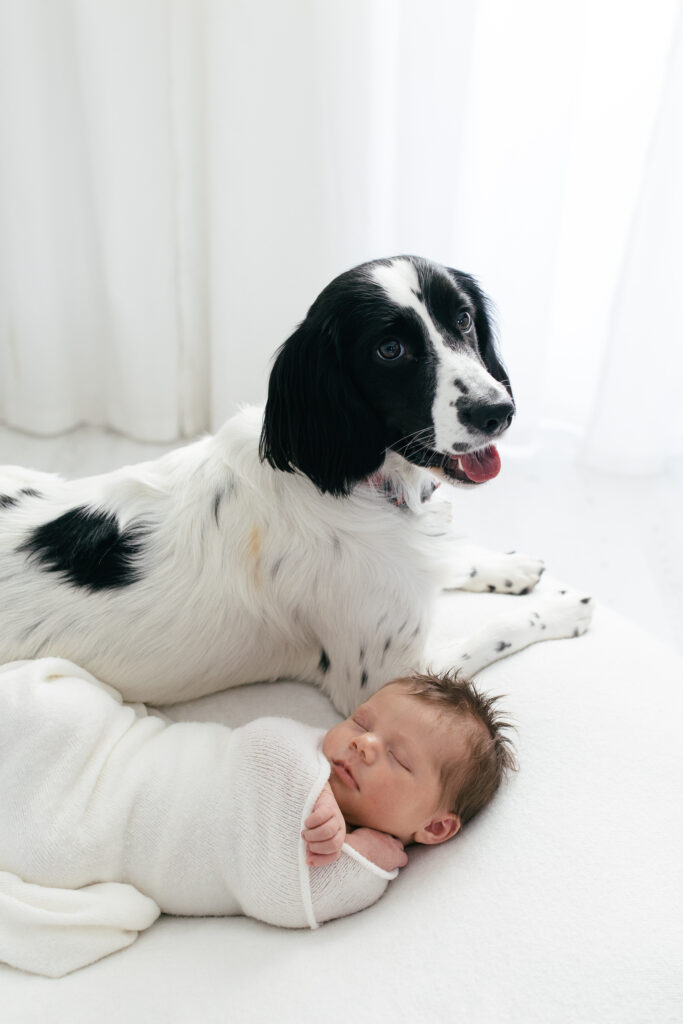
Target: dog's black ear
x=485 y=326
x=316 y=421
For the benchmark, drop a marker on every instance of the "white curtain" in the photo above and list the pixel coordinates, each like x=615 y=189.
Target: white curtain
x=179 y=178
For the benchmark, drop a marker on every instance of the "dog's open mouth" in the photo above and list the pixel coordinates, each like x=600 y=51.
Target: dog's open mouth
x=472 y=468
x=468 y=468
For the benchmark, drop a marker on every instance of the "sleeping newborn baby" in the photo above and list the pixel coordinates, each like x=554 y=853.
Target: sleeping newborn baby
x=111 y=815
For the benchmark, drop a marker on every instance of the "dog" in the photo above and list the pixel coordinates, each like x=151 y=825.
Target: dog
x=305 y=542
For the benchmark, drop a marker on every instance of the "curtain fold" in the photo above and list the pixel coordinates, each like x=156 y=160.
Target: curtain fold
x=637 y=419
x=179 y=178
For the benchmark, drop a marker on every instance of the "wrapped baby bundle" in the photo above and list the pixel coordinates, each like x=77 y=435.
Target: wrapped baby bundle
x=109 y=816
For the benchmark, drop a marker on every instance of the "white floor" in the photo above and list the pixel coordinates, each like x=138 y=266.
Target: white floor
x=618 y=538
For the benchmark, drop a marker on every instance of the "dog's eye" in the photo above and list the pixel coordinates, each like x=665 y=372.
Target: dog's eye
x=464 y=320
x=390 y=349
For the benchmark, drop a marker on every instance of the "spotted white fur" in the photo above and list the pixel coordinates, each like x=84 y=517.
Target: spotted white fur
x=245 y=579
x=557 y=615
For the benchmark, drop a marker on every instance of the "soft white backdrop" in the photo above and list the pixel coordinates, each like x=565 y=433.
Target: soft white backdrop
x=179 y=178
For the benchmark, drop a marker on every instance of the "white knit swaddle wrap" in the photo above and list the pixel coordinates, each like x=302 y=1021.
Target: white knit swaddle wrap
x=187 y=818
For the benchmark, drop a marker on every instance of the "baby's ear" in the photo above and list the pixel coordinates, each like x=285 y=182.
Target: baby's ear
x=438 y=830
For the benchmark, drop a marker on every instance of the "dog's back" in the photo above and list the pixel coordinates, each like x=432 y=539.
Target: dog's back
x=201 y=570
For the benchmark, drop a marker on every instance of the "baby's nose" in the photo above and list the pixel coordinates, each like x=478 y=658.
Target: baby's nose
x=366 y=745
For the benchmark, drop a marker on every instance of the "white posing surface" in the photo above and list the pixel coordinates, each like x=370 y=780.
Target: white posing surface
x=561 y=903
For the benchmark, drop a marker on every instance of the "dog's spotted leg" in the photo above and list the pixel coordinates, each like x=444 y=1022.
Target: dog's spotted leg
x=489 y=571
x=549 y=616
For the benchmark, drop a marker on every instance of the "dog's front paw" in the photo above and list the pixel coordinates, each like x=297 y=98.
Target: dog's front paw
x=513 y=573
x=561 y=615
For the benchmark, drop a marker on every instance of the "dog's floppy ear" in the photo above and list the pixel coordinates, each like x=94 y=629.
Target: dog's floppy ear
x=484 y=324
x=316 y=421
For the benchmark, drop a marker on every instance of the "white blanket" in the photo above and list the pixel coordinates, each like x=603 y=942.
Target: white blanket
x=111 y=815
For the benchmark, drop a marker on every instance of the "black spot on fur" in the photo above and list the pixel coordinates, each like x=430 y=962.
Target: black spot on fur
x=225 y=492
x=585 y=600
x=473 y=573
x=276 y=567
x=462 y=387
x=387 y=644
x=502 y=646
x=324 y=663
x=8 y=502
x=363 y=678
x=426 y=492
x=491 y=587
x=465 y=657
x=88 y=548
x=362 y=654
x=30 y=492
x=508 y=583
x=562 y=591
x=525 y=591
x=576 y=632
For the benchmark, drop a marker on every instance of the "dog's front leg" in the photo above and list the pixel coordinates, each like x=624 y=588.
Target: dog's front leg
x=483 y=571
x=550 y=616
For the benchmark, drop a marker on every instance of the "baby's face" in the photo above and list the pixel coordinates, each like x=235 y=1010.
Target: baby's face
x=386 y=763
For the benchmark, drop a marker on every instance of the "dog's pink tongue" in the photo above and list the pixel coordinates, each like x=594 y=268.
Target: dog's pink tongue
x=481 y=466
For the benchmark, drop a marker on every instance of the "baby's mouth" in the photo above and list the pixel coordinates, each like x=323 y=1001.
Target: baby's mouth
x=344 y=773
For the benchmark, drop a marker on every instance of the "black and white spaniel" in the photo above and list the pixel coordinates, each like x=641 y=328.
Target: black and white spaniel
x=303 y=542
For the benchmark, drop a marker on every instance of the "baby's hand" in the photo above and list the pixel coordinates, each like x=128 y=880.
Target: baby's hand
x=383 y=850
x=325 y=830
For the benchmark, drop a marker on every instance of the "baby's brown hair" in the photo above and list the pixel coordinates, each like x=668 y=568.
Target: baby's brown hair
x=468 y=786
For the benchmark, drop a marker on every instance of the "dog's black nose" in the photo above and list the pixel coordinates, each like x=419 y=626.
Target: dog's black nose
x=489 y=419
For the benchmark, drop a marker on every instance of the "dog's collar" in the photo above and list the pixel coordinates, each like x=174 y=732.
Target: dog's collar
x=393 y=492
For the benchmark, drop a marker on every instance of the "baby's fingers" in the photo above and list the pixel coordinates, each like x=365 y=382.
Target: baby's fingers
x=317 y=860
x=333 y=845
x=326 y=830
x=318 y=815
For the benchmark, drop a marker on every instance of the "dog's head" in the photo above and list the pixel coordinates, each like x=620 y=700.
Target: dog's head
x=394 y=354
